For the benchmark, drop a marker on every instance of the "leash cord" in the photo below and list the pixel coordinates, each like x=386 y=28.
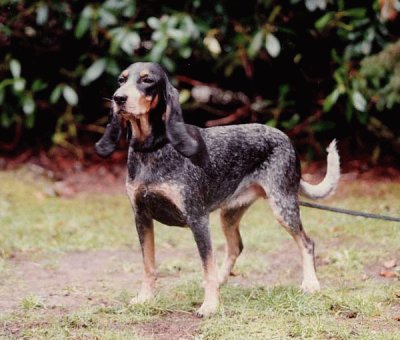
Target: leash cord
x=349 y=212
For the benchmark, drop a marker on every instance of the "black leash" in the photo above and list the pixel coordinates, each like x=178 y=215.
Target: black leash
x=350 y=212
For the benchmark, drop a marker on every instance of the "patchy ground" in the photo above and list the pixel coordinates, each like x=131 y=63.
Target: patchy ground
x=69 y=265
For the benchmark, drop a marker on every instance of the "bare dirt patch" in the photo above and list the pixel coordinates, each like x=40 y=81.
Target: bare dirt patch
x=72 y=280
x=69 y=280
x=172 y=326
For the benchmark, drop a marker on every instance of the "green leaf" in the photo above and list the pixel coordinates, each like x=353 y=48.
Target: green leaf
x=28 y=105
x=82 y=27
x=117 y=35
x=177 y=34
x=292 y=122
x=331 y=100
x=272 y=122
x=184 y=96
x=112 y=67
x=322 y=22
x=359 y=101
x=70 y=95
x=84 y=22
x=357 y=12
x=38 y=85
x=168 y=64
x=153 y=22
x=130 y=42
x=56 y=93
x=312 y=5
x=185 y=52
x=68 y=24
x=158 y=50
x=323 y=126
x=362 y=116
x=19 y=84
x=272 y=45
x=5 y=119
x=255 y=44
x=30 y=121
x=106 y=18
x=42 y=14
x=129 y=11
x=349 y=111
x=114 y=4
x=94 y=71
x=15 y=68
x=213 y=45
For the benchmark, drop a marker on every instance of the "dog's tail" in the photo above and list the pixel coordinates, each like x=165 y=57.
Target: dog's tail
x=330 y=182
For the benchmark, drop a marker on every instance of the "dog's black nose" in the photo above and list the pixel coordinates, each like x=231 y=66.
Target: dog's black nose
x=120 y=99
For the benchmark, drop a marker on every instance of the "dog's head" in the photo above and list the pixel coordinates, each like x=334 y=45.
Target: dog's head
x=148 y=101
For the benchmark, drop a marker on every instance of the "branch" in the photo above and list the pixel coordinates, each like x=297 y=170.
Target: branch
x=239 y=113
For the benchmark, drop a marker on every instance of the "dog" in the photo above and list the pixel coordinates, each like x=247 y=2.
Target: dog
x=179 y=173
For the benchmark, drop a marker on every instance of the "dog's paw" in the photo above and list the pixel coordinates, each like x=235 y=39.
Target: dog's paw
x=310 y=287
x=207 y=309
x=143 y=297
x=222 y=278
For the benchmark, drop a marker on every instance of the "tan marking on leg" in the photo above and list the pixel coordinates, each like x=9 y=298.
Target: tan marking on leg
x=310 y=282
x=147 y=290
x=211 y=291
x=149 y=272
x=131 y=190
x=233 y=243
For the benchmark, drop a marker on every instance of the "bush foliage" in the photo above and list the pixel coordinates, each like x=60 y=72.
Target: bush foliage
x=306 y=66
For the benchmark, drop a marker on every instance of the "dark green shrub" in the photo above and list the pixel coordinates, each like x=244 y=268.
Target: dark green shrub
x=296 y=61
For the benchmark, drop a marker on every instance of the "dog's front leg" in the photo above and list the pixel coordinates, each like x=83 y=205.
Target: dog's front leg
x=202 y=237
x=145 y=229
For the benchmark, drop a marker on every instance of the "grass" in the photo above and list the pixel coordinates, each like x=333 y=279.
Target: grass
x=262 y=302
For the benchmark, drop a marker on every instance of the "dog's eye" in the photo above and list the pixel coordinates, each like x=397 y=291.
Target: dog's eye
x=121 y=80
x=146 y=80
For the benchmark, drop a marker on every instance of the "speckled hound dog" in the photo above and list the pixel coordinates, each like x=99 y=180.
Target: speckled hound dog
x=178 y=174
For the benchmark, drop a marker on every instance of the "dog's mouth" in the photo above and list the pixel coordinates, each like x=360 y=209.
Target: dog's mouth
x=137 y=114
x=140 y=124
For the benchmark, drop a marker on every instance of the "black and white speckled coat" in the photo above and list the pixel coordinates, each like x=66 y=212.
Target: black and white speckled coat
x=178 y=174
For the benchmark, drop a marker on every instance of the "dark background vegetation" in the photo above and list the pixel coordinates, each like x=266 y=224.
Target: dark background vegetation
x=316 y=69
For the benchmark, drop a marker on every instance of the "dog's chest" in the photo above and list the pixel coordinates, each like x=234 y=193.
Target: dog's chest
x=162 y=201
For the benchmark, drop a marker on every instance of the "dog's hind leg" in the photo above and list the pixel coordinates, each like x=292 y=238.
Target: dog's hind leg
x=145 y=229
x=286 y=211
x=230 y=219
x=202 y=237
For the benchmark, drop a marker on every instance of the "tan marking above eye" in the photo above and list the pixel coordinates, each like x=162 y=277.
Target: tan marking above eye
x=125 y=73
x=144 y=73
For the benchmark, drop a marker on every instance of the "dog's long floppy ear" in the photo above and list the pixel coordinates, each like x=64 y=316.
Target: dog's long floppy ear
x=108 y=143
x=186 y=139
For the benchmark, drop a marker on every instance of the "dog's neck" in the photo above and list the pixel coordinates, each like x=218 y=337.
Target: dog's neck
x=157 y=137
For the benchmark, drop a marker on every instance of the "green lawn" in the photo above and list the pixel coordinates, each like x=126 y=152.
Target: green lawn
x=69 y=267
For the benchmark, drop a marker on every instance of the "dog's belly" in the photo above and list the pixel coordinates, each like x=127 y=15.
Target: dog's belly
x=160 y=207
